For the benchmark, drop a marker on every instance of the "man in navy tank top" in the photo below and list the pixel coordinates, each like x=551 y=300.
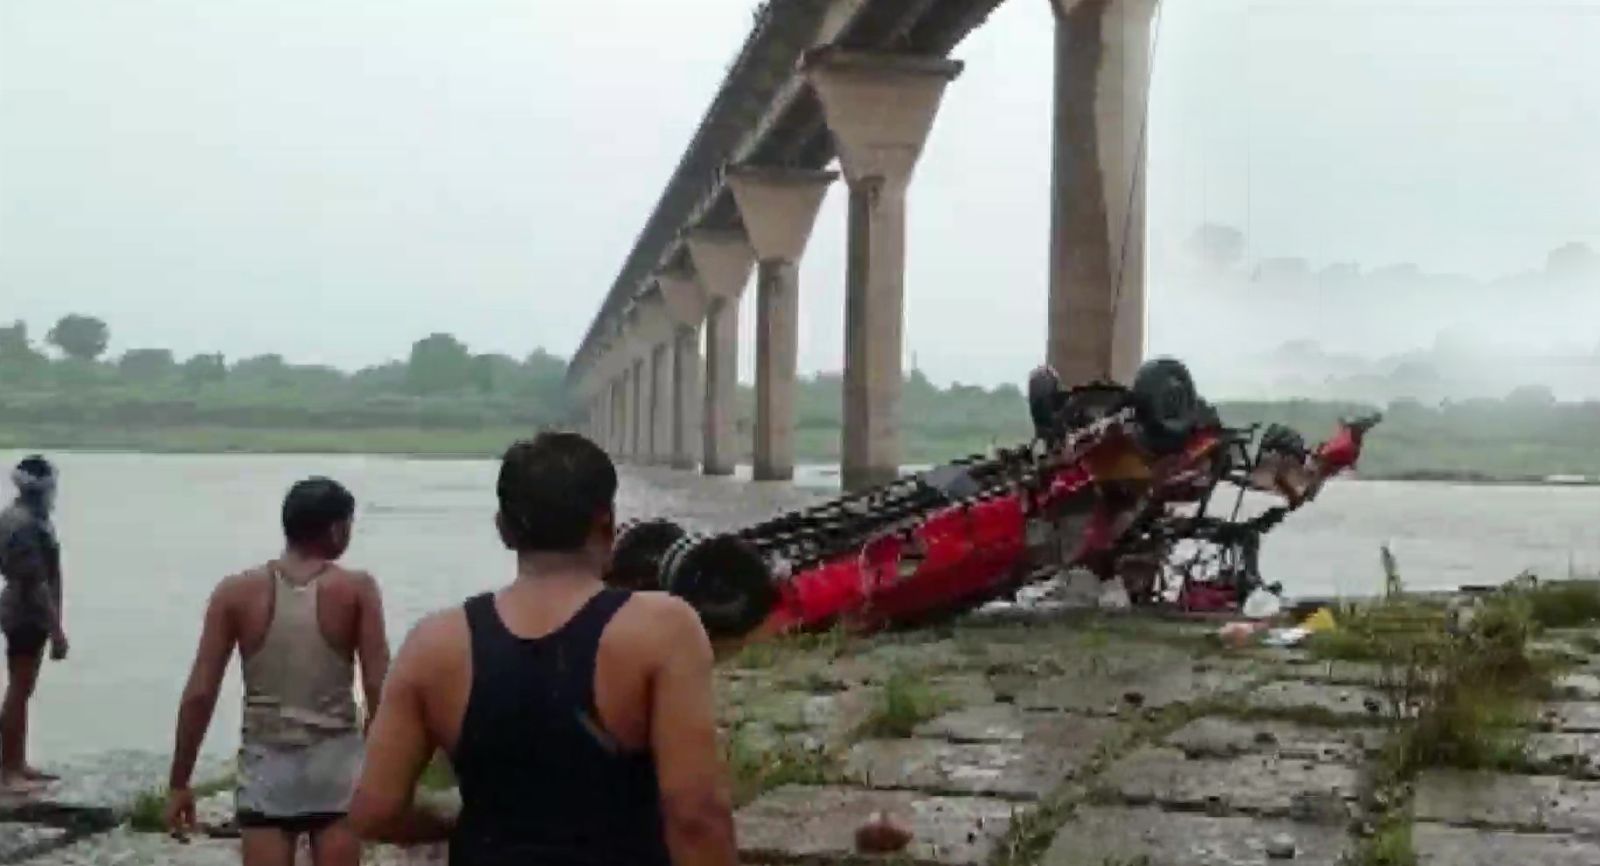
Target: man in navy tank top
x=578 y=718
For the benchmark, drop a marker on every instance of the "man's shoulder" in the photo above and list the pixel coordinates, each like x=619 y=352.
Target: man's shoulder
x=665 y=605
x=355 y=578
x=439 y=629
x=437 y=642
x=661 y=618
x=242 y=584
x=20 y=524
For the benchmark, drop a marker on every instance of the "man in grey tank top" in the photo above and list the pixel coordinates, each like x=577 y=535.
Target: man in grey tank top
x=300 y=622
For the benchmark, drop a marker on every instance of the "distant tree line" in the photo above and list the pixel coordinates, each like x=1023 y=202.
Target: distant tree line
x=441 y=376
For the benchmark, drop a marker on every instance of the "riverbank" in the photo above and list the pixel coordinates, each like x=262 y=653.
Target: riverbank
x=487 y=443
x=1075 y=738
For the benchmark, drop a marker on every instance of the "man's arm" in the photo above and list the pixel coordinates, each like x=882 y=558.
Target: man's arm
x=398 y=749
x=199 y=700
x=372 y=645
x=696 y=804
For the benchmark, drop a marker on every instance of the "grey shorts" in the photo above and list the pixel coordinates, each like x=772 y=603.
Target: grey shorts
x=279 y=785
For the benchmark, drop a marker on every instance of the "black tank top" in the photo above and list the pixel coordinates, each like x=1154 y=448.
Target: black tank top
x=541 y=780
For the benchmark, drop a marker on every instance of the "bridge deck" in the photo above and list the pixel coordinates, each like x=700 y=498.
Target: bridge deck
x=764 y=114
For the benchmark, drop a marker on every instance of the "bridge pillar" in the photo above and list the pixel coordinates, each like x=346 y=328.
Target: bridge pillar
x=661 y=403
x=1097 y=214
x=686 y=311
x=619 y=415
x=637 y=422
x=879 y=108
x=625 y=411
x=650 y=331
x=779 y=208
x=723 y=260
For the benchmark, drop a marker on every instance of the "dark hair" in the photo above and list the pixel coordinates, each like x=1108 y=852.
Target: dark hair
x=312 y=507
x=552 y=489
x=37 y=466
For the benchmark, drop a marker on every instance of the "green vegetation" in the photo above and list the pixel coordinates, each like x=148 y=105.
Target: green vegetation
x=904 y=701
x=1565 y=604
x=1389 y=846
x=1462 y=685
x=442 y=399
x=149 y=812
x=445 y=399
x=759 y=766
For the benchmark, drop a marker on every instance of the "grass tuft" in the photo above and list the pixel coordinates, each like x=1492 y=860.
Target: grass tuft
x=904 y=702
x=1564 y=604
x=756 y=767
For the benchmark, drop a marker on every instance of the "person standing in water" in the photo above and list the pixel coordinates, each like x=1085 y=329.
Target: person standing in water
x=31 y=613
x=300 y=623
x=578 y=718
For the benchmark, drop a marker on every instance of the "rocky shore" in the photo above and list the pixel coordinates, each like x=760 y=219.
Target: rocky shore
x=1063 y=739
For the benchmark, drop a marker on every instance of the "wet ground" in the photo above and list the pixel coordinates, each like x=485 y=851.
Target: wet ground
x=1071 y=739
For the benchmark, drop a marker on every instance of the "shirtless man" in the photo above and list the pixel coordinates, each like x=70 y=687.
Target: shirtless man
x=300 y=622
x=30 y=609
x=578 y=718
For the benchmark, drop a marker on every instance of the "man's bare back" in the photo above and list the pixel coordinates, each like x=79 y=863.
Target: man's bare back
x=344 y=597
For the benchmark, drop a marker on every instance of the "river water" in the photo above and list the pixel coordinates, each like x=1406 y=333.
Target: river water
x=146 y=537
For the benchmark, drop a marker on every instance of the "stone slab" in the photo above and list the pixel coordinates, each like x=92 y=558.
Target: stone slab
x=1439 y=845
x=1219 y=737
x=799 y=822
x=1347 y=702
x=1566 y=754
x=1508 y=802
x=1578 y=687
x=1338 y=672
x=1014 y=771
x=109 y=782
x=18 y=839
x=1571 y=716
x=1149 y=690
x=826 y=718
x=123 y=847
x=1150 y=837
x=1008 y=723
x=1250 y=784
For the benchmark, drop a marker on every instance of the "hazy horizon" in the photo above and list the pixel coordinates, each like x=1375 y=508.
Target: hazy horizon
x=333 y=182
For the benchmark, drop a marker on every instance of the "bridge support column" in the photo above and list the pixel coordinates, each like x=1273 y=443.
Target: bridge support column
x=661 y=403
x=686 y=311
x=779 y=208
x=880 y=109
x=624 y=397
x=636 y=408
x=618 y=415
x=723 y=260
x=1097 y=214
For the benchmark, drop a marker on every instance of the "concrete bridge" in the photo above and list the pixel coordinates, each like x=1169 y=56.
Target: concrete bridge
x=859 y=81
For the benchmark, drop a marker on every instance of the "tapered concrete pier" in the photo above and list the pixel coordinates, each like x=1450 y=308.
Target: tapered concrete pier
x=879 y=108
x=779 y=208
x=686 y=310
x=1097 y=216
x=722 y=260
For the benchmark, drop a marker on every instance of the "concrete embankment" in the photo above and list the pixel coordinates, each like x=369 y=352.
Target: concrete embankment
x=1073 y=739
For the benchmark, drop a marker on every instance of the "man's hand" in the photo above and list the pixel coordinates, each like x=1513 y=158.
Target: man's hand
x=59 y=646
x=180 y=813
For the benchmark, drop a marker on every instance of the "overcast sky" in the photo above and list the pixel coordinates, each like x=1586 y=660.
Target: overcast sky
x=331 y=180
